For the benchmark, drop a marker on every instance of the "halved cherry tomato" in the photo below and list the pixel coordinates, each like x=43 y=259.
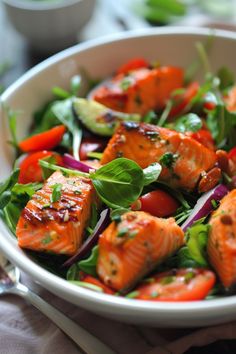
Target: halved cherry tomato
x=43 y=141
x=204 y=137
x=133 y=64
x=177 y=285
x=30 y=170
x=90 y=279
x=91 y=145
x=158 y=203
x=183 y=99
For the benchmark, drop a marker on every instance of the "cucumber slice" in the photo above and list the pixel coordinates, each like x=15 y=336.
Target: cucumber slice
x=98 y=118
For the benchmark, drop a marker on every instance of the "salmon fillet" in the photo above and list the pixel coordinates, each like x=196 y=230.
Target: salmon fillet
x=146 y=143
x=56 y=226
x=221 y=247
x=141 y=90
x=132 y=247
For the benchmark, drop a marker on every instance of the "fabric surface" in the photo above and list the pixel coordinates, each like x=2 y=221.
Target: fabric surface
x=24 y=330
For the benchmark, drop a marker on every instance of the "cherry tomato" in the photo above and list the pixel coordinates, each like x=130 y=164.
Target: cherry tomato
x=183 y=100
x=232 y=154
x=209 y=105
x=30 y=170
x=177 y=285
x=158 y=203
x=43 y=141
x=204 y=137
x=133 y=64
x=90 y=279
x=91 y=145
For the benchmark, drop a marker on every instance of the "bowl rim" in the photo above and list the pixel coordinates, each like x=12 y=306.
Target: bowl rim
x=41 y=5
x=60 y=286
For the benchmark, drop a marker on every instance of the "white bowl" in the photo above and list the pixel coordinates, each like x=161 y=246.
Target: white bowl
x=100 y=58
x=49 y=25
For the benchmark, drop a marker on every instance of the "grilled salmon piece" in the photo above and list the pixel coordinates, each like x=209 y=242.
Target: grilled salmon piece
x=221 y=247
x=183 y=159
x=139 y=91
x=132 y=247
x=56 y=226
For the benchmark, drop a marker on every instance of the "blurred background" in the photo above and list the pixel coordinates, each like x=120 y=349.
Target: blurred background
x=32 y=30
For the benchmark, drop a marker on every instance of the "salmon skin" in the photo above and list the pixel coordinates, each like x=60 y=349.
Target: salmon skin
x=58 y=226
x=221 y=247
x=131 y=248
x=140 y=91
x=183 y=159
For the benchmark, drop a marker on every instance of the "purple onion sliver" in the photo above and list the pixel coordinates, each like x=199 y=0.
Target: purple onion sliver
x=70 y=162
x=92 y=240
x=204 y=205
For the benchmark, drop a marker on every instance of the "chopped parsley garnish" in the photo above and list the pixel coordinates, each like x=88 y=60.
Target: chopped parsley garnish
x=56 y=192
x=133 y=294
x=214 y=203
x=168 y=159
x=122 y=232
x=125 y=83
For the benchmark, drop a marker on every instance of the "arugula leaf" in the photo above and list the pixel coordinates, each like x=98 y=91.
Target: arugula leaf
x=189 y=123
x=9 y=183
x=88 y=265
x=222 y=125
x=64 y=112
x=56 y=192
x=60 y=92
x=151 y=173
x=226 y=77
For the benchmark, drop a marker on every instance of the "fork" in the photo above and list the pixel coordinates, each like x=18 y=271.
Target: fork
x=10 y=284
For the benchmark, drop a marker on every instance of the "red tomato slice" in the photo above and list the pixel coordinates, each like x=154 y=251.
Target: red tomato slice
x=183 y=100
x=204 y=137
x=177 y=285
x=43 y=141
x=133 y=64
x=232 y=154
x=30 y=170
x=232 y=161
x=91 y=145
x=90 y=279
x=158 y=203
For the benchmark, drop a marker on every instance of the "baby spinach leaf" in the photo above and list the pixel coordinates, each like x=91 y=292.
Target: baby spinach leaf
x=119 y=183
x=151 y=173
x=88 y=265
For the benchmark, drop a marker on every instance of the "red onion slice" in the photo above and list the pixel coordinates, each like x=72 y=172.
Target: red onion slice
x=70 y=162
x=204 y=205
x=92 y=240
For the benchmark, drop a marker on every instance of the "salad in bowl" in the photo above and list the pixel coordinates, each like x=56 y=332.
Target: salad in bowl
x=130 y=189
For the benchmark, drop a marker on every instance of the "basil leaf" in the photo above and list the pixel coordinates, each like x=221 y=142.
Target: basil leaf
x=119 y=183
x=89 y=265
x=151 y=173
x=188 y=123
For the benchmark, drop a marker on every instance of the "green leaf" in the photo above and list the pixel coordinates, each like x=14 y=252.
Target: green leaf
x=226 y=77
x=118 y=183
x=194 y=253
x=60 y=93
x=87 y=285
x=168 y=159
x=89 y=265
x=222 y=125
x=151 y=173
x=75 y=84
x=173 y=7
x=56 y=192
x=64 y=112
x=9 y=183
x=189 y=123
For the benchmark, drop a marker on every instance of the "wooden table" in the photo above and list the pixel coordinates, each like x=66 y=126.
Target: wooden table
x=15 y=50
